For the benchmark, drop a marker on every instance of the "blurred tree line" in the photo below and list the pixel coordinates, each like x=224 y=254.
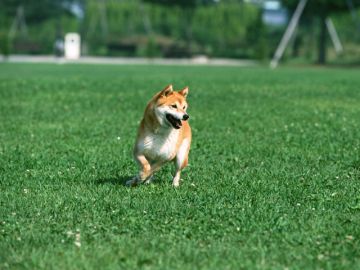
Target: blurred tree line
x=31 y=26
x=139 y=27
x=169 y=28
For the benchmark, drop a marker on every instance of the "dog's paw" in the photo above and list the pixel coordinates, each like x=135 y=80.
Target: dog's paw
x=176 y=183
x=132 y=182
x=149 y=180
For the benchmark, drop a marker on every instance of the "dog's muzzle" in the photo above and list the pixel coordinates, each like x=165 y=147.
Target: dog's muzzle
x=175 y=122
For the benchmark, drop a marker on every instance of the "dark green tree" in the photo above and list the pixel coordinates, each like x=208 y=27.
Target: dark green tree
x=33 y=13
x=36 y=11
x=321 y=9
x=188 y=7
x=181 y=3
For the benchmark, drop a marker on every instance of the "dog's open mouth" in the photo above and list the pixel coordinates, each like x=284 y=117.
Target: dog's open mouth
x=176 y=123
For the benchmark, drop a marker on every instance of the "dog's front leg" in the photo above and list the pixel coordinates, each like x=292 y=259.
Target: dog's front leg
x=154 y=168
x=145 y=168
x=144 y=173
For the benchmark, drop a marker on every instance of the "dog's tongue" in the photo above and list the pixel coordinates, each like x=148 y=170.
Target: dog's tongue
x=178 y=124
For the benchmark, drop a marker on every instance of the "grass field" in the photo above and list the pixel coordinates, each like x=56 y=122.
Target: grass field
x=273 y=181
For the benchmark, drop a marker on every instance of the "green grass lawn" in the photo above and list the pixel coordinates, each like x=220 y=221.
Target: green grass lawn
x=273 y=180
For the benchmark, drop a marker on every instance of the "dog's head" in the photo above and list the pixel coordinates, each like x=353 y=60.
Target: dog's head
x=170 y=107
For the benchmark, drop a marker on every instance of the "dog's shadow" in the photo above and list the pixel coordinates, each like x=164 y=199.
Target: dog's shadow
x=119 y=180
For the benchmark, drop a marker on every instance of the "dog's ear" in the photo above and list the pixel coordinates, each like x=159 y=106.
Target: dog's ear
x=184 y=92
x=167 y=90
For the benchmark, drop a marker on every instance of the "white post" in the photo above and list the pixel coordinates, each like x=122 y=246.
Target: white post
x=334 y=36
x=288 y=33
x=72 y=46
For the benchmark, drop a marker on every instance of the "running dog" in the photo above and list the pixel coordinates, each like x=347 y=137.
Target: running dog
x=164 y=135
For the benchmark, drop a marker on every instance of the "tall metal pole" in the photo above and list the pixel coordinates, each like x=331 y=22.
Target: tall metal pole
x=288 y=33
x=334 y=36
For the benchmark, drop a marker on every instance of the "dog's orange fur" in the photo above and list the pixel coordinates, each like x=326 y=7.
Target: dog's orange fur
x=157 y=141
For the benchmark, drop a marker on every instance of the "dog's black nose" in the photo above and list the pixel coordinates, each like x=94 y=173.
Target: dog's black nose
x=186 y=117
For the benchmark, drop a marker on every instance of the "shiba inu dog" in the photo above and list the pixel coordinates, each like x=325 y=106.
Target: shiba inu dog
x=164 y=135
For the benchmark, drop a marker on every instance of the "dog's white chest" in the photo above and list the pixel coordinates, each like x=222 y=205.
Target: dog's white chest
x=161 y=146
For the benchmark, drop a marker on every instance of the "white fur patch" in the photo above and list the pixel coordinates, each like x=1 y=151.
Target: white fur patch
x=160 y=146
x=161 y=112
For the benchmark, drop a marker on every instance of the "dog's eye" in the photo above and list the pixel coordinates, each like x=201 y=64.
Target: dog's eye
x=174 y=106
x=184 y=108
